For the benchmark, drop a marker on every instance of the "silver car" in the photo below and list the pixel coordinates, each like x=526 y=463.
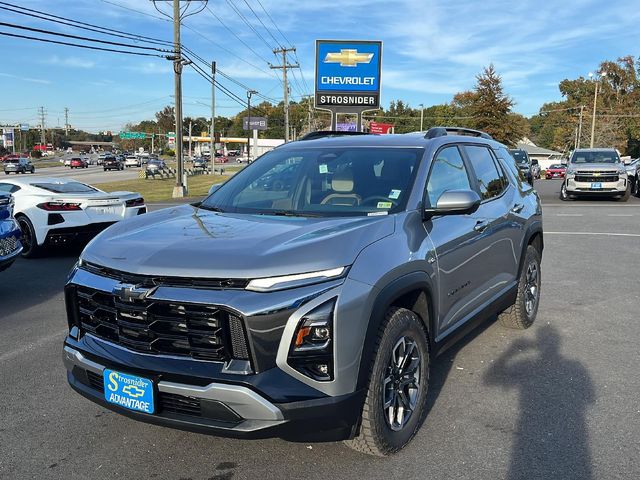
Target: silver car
x=314 y=310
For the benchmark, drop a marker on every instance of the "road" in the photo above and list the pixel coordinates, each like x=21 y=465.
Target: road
x=92 y=175
x=559 y=401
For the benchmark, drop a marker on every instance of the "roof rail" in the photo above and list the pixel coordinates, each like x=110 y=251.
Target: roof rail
x=329 y=133
x=444 y=131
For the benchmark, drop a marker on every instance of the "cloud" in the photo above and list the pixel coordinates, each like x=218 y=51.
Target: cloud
x=151 y=68
x=73 y=62
x=26 y=79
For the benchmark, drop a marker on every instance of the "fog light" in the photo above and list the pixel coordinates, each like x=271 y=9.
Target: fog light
x=323 y=368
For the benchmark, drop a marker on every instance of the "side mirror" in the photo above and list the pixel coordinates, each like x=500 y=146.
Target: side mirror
x=214 y=188
x=455 y=202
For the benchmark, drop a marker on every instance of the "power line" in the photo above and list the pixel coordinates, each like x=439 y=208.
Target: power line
x=246 y=22
x=89 y=47
x=78 y=37
x=136 y=11
x=274 y=23
x=262 y=23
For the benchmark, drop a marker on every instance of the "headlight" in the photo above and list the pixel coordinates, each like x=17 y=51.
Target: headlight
x=271 y=284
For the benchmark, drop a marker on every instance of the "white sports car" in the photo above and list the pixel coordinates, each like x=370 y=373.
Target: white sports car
x=56 y=211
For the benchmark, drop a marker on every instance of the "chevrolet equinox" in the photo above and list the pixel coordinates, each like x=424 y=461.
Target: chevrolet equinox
x=307 y=297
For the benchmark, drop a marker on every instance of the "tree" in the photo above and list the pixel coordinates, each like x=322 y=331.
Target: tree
x=166 y=119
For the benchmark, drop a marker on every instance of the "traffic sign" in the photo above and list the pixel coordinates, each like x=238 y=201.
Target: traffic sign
x=133 y=135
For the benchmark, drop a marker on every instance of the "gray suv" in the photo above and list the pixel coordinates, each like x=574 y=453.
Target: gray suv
x=313 y=310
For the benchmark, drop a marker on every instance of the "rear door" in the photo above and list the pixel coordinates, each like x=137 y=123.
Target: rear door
x=493 y=222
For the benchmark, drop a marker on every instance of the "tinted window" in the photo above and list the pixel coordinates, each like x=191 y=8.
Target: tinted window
x=330 y=181
x=510 y=162
x=520 y=156
x=8 y=188
x=67 y=187
x=490 y=180
x=447 y=173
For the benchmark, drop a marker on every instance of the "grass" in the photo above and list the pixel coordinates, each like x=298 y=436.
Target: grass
x=162 y=190
x=47 y=163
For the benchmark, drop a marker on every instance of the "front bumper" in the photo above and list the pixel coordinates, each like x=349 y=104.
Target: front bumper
x=264 y=397
x=10 y=246
x=222 y=409
x=606 y=188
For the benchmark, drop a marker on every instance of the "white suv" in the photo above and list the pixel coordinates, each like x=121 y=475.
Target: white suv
x=596 y=171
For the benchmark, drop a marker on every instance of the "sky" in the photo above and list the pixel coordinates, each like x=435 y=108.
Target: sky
x=432 y=50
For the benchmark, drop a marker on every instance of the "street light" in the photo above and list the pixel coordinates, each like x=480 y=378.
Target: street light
x=421 y=116
x=595 y=102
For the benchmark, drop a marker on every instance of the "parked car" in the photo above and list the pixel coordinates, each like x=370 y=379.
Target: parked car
x=596 y=171
x=132 y=161
x=633 y=169
x=524 y=164
x=78 y=162
x=200 y=163
x=112 y=163
x=57 y=211
x=220 y=158
x=10 y=246
x=18 y=165
x=555 y=171
x=316 y=310
x=535 y=169
x=156 y=166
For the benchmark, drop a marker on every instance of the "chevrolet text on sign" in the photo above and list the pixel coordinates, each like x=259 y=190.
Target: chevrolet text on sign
x=348 y=73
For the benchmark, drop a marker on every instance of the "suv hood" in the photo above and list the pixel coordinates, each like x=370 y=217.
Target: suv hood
x=596 y=167
x=187 y=241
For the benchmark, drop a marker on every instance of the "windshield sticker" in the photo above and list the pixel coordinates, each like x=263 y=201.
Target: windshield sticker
x=385 y=204
x=376 y=214
x=395 y=194
x=324 y=168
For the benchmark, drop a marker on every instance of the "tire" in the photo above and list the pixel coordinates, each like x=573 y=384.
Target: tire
x=30 y=248
x=379 y=435
x=627 y=194
x=635 y=191
x=522 y=314
x=564 y=195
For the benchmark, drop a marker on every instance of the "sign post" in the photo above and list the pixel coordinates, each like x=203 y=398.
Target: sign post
x=254 y=124
x=348 y=77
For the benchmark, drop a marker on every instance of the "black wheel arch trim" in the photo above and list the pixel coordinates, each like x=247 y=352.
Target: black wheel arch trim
x=535 y=228
x=393 y=291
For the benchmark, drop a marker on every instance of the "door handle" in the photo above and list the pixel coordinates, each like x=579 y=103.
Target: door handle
x=518 y=207
x=481 y=226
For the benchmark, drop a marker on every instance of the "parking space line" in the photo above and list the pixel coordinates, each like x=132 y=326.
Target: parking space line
x=619 y=214
x=601 y=234
x=569 y=215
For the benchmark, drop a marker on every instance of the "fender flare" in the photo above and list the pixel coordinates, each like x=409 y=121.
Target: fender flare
x=384 y=299
x=533 y=229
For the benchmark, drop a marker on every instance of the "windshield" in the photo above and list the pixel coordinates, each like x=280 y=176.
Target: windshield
x=596 y=157
x=520 y=156
x=322 y=182
x=67 y=187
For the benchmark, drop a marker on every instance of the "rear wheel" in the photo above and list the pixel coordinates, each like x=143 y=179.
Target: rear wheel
x=522 y=314
x=30 y=248
x=395 y=405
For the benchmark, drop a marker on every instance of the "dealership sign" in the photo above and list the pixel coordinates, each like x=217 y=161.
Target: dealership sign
x=348 y=74
x=380 y=128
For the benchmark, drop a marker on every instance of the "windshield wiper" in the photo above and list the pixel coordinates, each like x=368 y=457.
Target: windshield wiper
x=211 y=209
x=289 y=213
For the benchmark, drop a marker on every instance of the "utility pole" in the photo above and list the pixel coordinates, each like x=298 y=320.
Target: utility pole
x=212 y=144
x=595 y=103
x=66 y=121
x=43 y=140
x=190 y=126
x=421 y=116
x=579 y=128
x=249 y=94
x=284 y=68
x=179 y=190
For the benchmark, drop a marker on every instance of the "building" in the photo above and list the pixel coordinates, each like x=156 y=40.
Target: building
x=544 y=156
x=201 y=144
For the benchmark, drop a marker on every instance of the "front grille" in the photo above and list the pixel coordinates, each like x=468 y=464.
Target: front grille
x=179 y=404
x=154 y=281
x=95 y=381
x=201 y=332
x=591 y=178
x=8 y=246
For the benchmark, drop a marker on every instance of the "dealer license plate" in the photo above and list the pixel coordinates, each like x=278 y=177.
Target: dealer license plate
x=596 y=185
x=128 y=391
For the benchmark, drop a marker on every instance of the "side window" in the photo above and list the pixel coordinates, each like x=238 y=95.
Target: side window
x=511 y=164
x=447 y=173
x=8 y=188
x=491 y=181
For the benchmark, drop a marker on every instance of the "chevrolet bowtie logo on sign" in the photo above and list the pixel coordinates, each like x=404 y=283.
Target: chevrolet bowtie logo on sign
x=348 y=74
x=348 y=57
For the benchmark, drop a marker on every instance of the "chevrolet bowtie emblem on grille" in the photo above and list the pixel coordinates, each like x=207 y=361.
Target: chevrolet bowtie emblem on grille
x=348 y=57
x=130 y=293
x=596 y=174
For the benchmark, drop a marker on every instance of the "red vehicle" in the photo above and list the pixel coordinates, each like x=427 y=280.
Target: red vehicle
x=555 y=171
x=78 y=163
x=220 y=158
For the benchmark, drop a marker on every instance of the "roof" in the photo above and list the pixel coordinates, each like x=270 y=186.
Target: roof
x=535 y=150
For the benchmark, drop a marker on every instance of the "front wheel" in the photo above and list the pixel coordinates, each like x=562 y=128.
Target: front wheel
x=522 y=313
x=395 y=405
x=564 y=194
x=627 y=194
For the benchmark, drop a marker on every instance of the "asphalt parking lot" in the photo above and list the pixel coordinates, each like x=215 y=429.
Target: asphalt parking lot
x=559 y=401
